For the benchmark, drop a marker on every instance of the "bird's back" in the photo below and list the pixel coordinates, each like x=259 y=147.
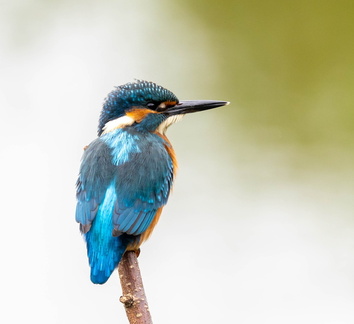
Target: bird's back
x=124 y=182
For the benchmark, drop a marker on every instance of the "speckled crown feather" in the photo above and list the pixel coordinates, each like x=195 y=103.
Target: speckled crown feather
x=132 y=94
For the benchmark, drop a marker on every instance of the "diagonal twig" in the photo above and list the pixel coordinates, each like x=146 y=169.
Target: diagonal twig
x=133 y=298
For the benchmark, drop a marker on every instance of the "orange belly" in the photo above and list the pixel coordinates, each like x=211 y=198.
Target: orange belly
x=144 y=236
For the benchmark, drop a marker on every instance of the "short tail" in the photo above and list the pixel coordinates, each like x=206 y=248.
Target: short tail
x=104 y=255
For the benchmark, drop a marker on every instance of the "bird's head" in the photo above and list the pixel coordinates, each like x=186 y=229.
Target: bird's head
x=146 y=106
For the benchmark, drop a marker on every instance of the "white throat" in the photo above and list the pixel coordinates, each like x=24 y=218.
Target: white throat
x=168 y=122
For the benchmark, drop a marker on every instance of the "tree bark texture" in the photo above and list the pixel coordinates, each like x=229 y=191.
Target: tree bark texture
x=133 y=298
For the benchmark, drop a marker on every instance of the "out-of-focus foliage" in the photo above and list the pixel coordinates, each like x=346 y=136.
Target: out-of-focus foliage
x=289 y=65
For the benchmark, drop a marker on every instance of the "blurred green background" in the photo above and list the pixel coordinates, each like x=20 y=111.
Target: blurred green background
x=260 y=225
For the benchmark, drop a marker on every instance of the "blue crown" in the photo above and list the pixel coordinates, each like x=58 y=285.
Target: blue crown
x=133 y=94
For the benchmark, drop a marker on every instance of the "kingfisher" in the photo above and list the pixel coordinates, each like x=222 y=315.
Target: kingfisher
x=127 y=172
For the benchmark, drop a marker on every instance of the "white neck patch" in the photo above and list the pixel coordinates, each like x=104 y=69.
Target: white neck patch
x=117 y=123
x=168 y=122
x=124 y=121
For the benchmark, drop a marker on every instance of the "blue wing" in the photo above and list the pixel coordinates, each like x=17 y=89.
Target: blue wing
x=143 y=186
x=96 y=173
x=124 y=179
x=142 y=177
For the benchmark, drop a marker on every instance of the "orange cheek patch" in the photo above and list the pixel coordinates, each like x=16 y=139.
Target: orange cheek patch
x=139 y=114
x=170 y=103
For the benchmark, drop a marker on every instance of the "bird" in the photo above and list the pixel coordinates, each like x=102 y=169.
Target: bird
x=127 y=172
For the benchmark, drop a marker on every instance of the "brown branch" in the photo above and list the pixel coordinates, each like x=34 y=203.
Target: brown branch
x=133 y=298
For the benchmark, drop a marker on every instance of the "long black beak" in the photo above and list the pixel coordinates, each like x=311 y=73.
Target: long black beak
x=190 y=106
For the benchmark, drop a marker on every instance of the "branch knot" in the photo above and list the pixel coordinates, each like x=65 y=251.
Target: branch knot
x=127 y=300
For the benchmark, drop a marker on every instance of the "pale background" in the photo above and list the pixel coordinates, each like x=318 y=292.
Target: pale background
x=259 y=228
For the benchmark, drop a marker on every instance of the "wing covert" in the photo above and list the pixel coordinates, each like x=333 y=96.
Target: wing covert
x=142 y=180
x=96 y=173
x=143 y=186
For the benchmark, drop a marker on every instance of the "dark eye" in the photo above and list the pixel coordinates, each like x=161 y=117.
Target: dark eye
x=151 y=105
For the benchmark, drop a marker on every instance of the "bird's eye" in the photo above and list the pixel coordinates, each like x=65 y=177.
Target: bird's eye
x=151 y=105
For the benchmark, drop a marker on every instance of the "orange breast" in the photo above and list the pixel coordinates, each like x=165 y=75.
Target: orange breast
x=143 y=237
x=170 y=151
